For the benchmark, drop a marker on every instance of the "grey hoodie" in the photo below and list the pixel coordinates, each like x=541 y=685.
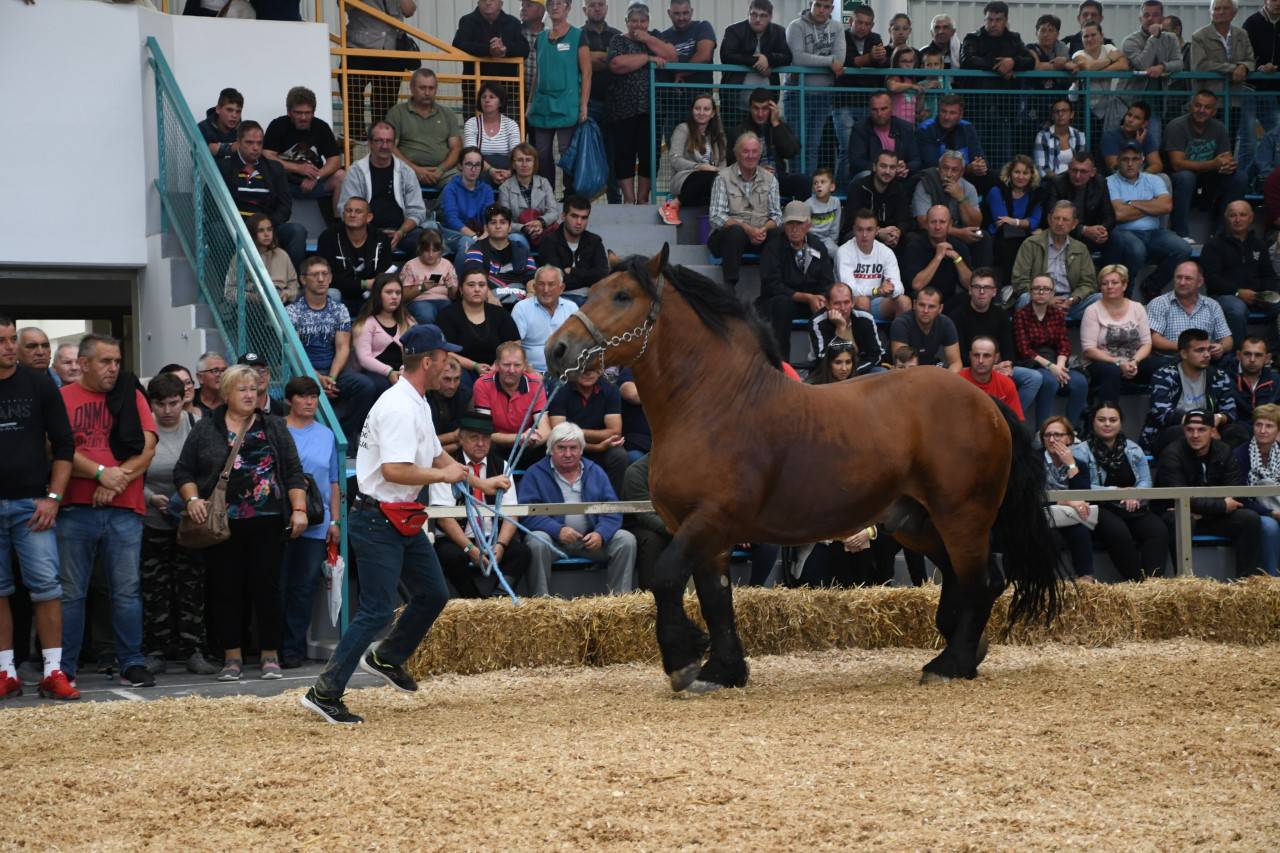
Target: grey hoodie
x=815 y=45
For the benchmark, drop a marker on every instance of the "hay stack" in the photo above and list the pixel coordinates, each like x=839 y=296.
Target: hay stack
x=479 y=636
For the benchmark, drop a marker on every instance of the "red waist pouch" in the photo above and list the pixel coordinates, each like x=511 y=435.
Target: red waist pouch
x=407 y=517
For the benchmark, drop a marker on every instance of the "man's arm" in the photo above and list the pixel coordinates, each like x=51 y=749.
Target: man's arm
x=451 y=159
x=951 y=352
x=341 y=352
x=1178 y=162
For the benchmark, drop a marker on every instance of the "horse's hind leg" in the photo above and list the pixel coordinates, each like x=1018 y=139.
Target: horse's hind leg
x=726 y=667
x=963 y=611
x=681 y=641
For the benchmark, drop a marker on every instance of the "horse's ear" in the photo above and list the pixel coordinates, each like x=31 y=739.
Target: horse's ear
x=658 y=262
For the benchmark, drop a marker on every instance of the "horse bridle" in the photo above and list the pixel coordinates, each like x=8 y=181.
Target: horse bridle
x=603 y=344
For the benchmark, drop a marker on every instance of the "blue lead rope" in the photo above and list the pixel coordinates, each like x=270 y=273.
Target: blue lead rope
x=482 y=541
x=522 y=440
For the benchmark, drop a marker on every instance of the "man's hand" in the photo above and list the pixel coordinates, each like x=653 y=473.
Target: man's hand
x=534 y=438
x=1155 y=71
x=838 y=320
x=1062 y=303
x=1232 y=504
x=496 y=47
x=953 y=189
x=1267 y=68
x=334 y=535
x=45 y=513
x=837 y=68
x=878 y=53
x=1247 y=296
x=978 y=165
x=945 y=250
x=815 y=301
x=1240 y=72
x=614 y=441
x=1215 y=350
x=889 y=235
x=903 y=171
x=1004 y=67
x=1096 y=233
x=533 y=229
x=330 y=386
x=490 y=485
x=569 y=536
x=394 y=237
x=859 y=541
x=1004 y=367
x=757 y=235
x=775 y=114
x=969 y=234
x=593 y=541
x=114 y=478
x=885 y=288
x=426 y=174
x=1226 y=163
x=453 y=472
x=761 y=65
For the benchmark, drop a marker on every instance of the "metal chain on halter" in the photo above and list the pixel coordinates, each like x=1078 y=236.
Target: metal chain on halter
x=640 y=333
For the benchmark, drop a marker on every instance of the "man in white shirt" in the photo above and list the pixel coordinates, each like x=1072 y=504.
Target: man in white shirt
x=538 y=318
x=870 y=269
x=398 y=455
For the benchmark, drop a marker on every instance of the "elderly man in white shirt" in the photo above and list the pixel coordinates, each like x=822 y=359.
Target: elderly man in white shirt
x=538 y=318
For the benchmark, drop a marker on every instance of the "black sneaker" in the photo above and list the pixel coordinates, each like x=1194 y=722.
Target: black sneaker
x=395 y=675
x=332 y=710
x=290 y=662
x=137 y=676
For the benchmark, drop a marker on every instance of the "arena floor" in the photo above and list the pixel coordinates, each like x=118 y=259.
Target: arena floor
x=1142 y=746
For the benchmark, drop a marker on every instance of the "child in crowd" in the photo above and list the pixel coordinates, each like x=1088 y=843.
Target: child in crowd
x=927 y=105
x=508 y=264
x=824 y=209
x=907 y=91
x=430 y=281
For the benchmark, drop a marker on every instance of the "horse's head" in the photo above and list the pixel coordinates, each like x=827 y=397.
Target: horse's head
x=614 y=324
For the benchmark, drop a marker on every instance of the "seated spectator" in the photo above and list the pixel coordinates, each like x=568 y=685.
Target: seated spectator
x=1070 y=519
x=492 y=132
x=477 y=324
x=1057 y=145
x=209 y=369
x=565 y=477
x=318 y=454
x=697 y=151
x=1238 y=273
x=355 y=253
x=266 y=505
x=840 y=322
x=1097 y=53
x=376 y=331
x=101 y=519
x=66 y=365
x=448 y=403
x=979 y=317
x=931 y=259
x=981 y=371
x=262 y=370
x=275 y=259
x=530 y=198
x=795 y=273
x=744 y=207
x=926 y=331
x=1139 y=198
x=835 y=365
x=881 y=130
x=1133 y=536
x=462 y=206
x=506 y=394
x=1087 y=190
x=324 y=327
x=650 y=531
x=1053 y=252
x=539 y=317
x=1135 y=128
x=1040 y=334
x=392 y=190
x=778 y=142
x=220 y=123
x=306 y=148
x=627 y=113
x=579 y=253
x=1014 y=210
x=593 y=404
x=508 y=264
x=1200 y=161
x=1259 y=463
x=1253 y=383
x=949 y=131
x=428 y=136
x=884 y=193
x=462 y=560
x=943 y=184
x=1192 y=384
x=258 y=185
x=824 y=210
x=1115 y=336
x=430 y=282
x=871 y=269
x=1196 y=458
x=1187 y=307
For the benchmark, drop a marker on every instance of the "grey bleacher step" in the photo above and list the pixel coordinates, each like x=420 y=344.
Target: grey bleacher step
x=623 y=214
x=635 y=239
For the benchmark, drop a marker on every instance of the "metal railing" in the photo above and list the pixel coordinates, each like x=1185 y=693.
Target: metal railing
x=197 y=209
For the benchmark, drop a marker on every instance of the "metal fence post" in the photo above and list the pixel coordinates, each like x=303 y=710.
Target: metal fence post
x=653 y=127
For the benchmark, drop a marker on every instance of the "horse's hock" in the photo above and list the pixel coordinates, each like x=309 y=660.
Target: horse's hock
x=481 y=636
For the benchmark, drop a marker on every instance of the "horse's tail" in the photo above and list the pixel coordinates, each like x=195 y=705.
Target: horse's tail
x=1031 y=556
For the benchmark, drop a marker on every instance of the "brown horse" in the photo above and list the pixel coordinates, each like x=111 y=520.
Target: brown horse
x=742 y=453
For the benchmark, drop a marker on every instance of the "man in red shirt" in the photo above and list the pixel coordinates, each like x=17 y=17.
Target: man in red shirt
x=983 y=356
x=505 y=394
x=101 y=516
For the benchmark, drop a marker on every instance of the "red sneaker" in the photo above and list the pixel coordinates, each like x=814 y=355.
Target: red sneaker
x=57 y=686
x=9 y=686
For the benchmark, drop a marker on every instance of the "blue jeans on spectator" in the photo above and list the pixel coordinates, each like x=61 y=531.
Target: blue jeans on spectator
x=817 y=106
x=299 y=574
x=455 y=245
x=596 y=112
x=357 y=392
x=386 y=560
x=842 y=121
x=1237 y=311
x=1219 y=190
x=1076 y=392
x=292 y=237
x=425 y=310
x=115 y=536
x=1028 y=382
x=1263 y=110
x=1135 y=248
x=1269 y=552
x=37 y=553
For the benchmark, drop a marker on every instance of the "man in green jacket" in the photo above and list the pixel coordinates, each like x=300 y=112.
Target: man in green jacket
x=1055 y=253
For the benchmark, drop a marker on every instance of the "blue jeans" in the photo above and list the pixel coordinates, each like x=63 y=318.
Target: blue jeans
x=1219 y=190
x=114 y=536
x=456 y=244
x=1158 y=245
x=357 y=392
x=1237 y=314
x=299 y=575
x=425 y=310
x=37 y=552
x=1269 y=552
x=817 y=108
x=1076 y=392
x=385 y=560
x=842 y=121
x=292 y=237
x=1263 y=110
x=1028 y=382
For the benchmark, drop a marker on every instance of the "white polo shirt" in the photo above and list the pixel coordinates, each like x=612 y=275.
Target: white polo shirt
x=398 y=429
x=442 y=494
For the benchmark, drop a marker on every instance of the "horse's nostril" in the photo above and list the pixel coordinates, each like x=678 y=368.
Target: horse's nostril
x=559 y=349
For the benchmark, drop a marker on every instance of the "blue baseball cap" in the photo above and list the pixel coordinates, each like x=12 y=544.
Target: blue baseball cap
x=425 y=338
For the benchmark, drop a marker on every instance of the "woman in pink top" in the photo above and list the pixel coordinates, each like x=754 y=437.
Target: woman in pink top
x=906 y=91
x=1115 y=336
x=429 y=281
x=377 y=330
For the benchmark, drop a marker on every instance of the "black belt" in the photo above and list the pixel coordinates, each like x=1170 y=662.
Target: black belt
x=366 y=502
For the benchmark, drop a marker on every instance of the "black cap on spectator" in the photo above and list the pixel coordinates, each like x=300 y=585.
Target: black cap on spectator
x=1131 y=145
x=1198 y=416
x=252 y=359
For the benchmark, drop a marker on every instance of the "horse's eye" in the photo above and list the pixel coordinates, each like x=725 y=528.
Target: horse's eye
x=622 y=297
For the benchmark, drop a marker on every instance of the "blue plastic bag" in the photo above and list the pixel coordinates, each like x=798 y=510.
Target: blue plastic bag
x=584 y=159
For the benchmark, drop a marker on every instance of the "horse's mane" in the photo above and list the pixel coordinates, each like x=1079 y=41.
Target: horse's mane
x=714 y=303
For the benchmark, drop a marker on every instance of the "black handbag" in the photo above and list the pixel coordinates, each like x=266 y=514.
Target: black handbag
x=404 y=41
x=315 y=502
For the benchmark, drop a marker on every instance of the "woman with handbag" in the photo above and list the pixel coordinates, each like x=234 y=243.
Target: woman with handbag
x=1259 y=464
x=241 y=464
x=561 y=90
x=1071 y=520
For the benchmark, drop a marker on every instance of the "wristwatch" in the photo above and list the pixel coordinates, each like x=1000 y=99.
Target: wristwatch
x=55 y=497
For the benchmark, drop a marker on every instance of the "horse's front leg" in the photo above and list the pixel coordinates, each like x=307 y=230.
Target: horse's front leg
x=681 y=641
x=726 y=667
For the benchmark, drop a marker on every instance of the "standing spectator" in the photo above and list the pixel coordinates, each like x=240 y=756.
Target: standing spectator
x=1050 y=54
x=188 y=388
x=1193 y=383
x=493 y=132
x=430 y=282
x=1087 y=190
x=1057 y=145
x=508 y=264
x=220 y=123
x=578 y=253
x=908 y=92
x=209 y=369
x=744 y=207
x=262 y=370
x=697 y=152
x=1040 y=334
x=1089 y=12
x=539 y=317
x=1227 y=50
x=1238 y=273
x=35 y=352
x=101 y=516
x=840 y=323
x=627 y=115
x=258 y=185
x=778 y=142
x=31 y=488
x=945 y=42
x=306 y=149
x=476 y=325
x=559 y=100
x=994 y=47
x=1200 y=161
x=532 y=13
x=171 y=577
x=931 y=259
x=795 y=273
x=324 y=328
x=1099 y=54
x=1156 y=53
x=863 y=49
x=276 y=260
x=366 y=32
x=376 y=333
x=391 y=188
x=565 y=477
x=1138 y=198
x=428 y=136
x=67 y=366
x=598 y=35
x=884 y=193
x=1186 y=307
x=487 y=31
x=593 y=404
x=1115 y=335
x=871 y=269
x=1014 y=211
x=509 y=392
x=899 y=34
x=756 y=43
x=1055 y=253
x=356 y=253
x=981 y=371
x=1134 y=127
x=318 y=454
x=1263 y=28
x=817 y=42
x=880 y=131
x=695 y=42
x=926 y=331
x=462 y=205
x=530 y=197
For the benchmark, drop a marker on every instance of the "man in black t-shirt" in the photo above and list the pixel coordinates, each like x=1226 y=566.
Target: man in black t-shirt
x=928 y=332
x=355 y=252
x=31 y=413
x=305 y=146
x=448 y=403
x=595 y=405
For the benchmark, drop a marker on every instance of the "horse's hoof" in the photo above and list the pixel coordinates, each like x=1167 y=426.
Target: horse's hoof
x=685 y=676
x=927 y=677
x=701 y=688
x=982 y=651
